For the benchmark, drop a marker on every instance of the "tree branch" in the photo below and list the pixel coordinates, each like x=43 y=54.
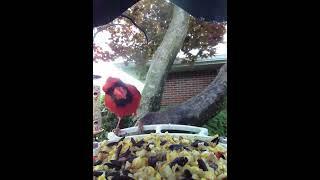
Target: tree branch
x=101 y=28
x=132 y=21
x=198 y=109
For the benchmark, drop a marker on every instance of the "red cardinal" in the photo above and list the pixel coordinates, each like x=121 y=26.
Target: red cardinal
x=121 y=99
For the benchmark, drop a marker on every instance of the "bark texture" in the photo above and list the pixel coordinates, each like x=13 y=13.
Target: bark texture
x=162 y=61
x=197 y=110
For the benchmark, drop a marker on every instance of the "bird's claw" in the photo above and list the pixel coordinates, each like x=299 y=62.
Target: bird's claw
x=140 y=127
x=116 y=131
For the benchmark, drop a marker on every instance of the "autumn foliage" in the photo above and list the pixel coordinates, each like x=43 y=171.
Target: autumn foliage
x=136 y=34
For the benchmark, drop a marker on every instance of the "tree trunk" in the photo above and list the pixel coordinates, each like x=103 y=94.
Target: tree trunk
x=198 y=109
x=162 y=61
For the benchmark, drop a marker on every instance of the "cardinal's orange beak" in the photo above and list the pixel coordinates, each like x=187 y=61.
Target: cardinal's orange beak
x=120 y=93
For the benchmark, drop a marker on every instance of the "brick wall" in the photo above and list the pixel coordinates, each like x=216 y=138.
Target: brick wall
x=181 y=86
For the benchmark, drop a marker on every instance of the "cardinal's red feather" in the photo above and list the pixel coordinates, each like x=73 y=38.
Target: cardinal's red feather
x=129 y=108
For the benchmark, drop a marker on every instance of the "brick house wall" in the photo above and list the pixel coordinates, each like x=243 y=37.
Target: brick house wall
x=180 y=86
